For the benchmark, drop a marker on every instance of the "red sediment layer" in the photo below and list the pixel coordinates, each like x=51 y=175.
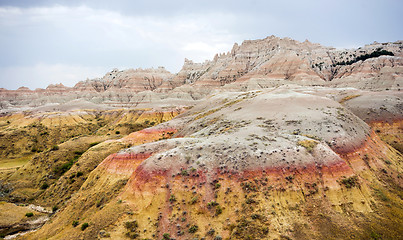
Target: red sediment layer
x=368 y=154
x=327 y=175
x=124 y=163
x=149 y=135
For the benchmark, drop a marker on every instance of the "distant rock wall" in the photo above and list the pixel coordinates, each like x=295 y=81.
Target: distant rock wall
x=255 y=64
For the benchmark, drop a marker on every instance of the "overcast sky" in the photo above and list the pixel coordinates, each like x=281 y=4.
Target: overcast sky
x=44 y=41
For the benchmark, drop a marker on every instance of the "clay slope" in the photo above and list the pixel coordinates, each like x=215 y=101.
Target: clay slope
x=274 y=164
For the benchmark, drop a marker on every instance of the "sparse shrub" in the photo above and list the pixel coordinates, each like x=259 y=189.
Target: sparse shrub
x=172 y=198
x=193 y=228
x=44 y=186
x=381 y=195
x=211 y=232
x=132 y=228
x=184 y=173
x=289 y=178
x=79 y=174
x=84 y=226
x=249 y=186
x=218 y=237
x=350 y=181
x=55 y=208
x=99 y=203
x=378 y=52
x=256 y=216
x=218 y=210
x=375 y=236
x=250 y=201
x=194 y=200
x=132 y=225
x=166 y=236
x=75 y=223
x=117 y=132
x=212 y=204
x=29 y=214
x=309 y=145
x=217 y=186
x=61 y=169
x=55 y=147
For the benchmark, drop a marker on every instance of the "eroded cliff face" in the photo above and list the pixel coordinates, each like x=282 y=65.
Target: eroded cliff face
x=253 y=65
x=274 y=61
x=258 y=165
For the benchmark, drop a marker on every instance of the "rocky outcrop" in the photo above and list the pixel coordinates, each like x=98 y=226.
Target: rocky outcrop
x=135 y=80
x=276 y=61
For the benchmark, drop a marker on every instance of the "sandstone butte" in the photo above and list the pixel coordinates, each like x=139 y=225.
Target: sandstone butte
x=276 y=139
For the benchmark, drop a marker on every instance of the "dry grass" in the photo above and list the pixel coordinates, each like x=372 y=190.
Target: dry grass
x=309 y=145
x=348 y=98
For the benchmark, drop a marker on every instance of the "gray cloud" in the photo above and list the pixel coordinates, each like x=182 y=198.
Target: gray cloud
x=43 y=41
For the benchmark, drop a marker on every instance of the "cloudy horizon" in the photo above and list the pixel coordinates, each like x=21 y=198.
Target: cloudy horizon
x=44 y=42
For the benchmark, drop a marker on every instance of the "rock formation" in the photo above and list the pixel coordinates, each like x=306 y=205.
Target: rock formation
x=276 y=139
x=255 y=64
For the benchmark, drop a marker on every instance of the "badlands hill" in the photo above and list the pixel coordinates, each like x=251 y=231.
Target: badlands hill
x=276 y=139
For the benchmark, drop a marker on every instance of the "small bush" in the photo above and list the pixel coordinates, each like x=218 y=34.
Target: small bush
x=194 y=200
x=84 y=226
x=132 y=235
x=44 y=186
x=131 y=226
x=172 y=198
x=79 y=174
x=117 y=132
x=166 y=236
x=250 y=201
x=55 y=147
x=29 y=214
x=55 y=208
x=211 y=231
x=289 y=178
x=350 y=181
x=218 y=210
x=75 y=223
x=212 y=204
x=193 y=229
x=217 y=186
x=99 y=202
